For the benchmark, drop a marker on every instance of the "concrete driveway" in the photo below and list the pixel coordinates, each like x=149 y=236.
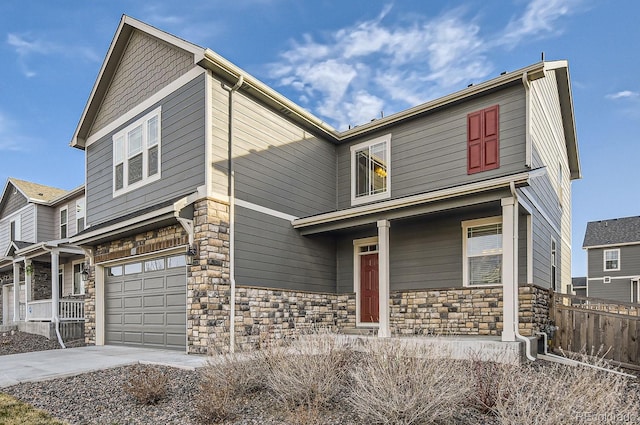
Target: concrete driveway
x=43 y=365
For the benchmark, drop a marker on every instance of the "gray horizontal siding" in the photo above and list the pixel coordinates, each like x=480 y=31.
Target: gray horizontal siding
x=430 y=152
x=629 y=262
x=46 y=224
x=182 y=158
x=279 y=165
x=270 y=253
x=616 y=290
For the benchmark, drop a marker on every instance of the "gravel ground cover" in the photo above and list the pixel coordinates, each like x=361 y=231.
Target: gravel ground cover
x=15 y=342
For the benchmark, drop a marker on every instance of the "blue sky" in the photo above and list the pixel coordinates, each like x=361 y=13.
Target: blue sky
x=345 y=61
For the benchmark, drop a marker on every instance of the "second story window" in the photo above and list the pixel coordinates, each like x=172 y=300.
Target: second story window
x=80 y=215
x=611 y=260
x=14 y=229
x=370 y=171
x=483 y=140
x=63 y=223
x=136 y=154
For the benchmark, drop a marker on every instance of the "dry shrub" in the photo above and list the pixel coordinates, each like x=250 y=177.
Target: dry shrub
x=396 y=384
x=552 y=393
x=310 y=373
x=486 y=378
x=226 y=381
x=147 y=384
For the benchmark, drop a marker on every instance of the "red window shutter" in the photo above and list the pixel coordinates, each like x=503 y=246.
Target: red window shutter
x=474 y=142
x=483 y=147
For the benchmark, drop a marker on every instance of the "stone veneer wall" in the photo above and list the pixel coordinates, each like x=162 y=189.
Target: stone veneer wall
x=208 y=283
x=465 y=311
x=264 y=316
x=41 y=281
x=142 y=243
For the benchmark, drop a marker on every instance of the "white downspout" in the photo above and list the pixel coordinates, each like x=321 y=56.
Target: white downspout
x=516 y=292
x=232 y=213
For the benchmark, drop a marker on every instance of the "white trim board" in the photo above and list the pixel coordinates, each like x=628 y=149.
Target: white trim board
x=264 y=210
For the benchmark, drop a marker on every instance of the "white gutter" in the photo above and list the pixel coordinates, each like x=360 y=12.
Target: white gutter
x=516 y=292
x=423 y=198
x=527 y=119
x=232 y=212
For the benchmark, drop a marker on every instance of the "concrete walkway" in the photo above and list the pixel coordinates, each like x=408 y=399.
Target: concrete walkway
x=50 y=364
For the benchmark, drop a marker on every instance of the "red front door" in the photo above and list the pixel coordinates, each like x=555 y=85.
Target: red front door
x=369 y=288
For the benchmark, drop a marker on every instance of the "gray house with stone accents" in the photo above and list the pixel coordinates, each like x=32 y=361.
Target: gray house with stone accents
x=220 y=213
x=613 y=259
x=40 y=271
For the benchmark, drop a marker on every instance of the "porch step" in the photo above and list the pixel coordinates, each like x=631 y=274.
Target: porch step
x=360 y=332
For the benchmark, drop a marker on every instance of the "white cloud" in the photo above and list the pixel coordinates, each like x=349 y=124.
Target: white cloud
x=26 y=46
x=350 y=75
x=624 y=94
x=539 y=19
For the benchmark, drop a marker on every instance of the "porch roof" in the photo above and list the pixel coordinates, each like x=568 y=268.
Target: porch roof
x=438 y=200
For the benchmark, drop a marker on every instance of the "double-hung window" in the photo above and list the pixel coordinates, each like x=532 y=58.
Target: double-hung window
x=370 y=170
x=63 y=223
x=611 y=260
x=482 y=256
x=136 y=154
x=80 y=206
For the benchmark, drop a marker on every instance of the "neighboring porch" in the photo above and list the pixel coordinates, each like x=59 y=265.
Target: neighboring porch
x=44 y=285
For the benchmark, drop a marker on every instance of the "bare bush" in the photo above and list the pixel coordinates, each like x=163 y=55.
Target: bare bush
x=395 y=384
x=553 y=393
x=147 y=384
x=486 y=378
x=310 y=372
x=226 y=381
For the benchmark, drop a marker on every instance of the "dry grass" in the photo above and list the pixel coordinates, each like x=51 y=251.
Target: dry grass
x=15 y=412
x=147 y=385
x=387 y=382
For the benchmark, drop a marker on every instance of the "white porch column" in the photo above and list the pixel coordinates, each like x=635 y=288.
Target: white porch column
x=16 y=292
x=55 y=296
x=383 y=278
x=509 y=267
x=28 y=279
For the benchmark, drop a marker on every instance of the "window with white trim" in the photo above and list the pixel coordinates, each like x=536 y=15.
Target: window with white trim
x=80 y=215
x=482 y=256
x=78 y=283
x=63 y=222
x=611 y=259
x=136 y=154
x=15 y=229
x=61 y=280
x=370 y=171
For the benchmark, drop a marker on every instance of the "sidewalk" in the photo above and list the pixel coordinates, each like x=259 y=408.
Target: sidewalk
x=43 y=365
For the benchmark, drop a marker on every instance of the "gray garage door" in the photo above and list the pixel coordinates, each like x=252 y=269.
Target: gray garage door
x=146 y=303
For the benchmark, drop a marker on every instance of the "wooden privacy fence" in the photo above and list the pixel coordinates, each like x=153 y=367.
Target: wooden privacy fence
x=597 y=326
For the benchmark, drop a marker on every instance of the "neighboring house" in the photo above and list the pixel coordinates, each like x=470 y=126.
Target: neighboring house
x=579 y=286
x=220 y=214
x=613 y=259
x=39 y=268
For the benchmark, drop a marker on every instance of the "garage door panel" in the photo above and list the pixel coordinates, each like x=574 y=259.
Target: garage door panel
x=114 y=288
x=114 y=303
x=133 y=285
x=177 y=319
x=154 y=283
x=148 y=308
x=133 y=319
x=176 y=281
x=132 y=302
x=154 y=318
x=175 y=300
x=154 y=300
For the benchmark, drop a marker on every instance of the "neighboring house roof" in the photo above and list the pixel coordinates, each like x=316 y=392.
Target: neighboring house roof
x=579 y=282
x=35 y=192
x=231 y=74
x=615 y=231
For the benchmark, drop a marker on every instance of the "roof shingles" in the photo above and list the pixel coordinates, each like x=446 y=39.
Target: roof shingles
x=615 y=231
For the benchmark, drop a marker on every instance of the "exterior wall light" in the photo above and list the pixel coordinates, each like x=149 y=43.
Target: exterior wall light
x=191 y=255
